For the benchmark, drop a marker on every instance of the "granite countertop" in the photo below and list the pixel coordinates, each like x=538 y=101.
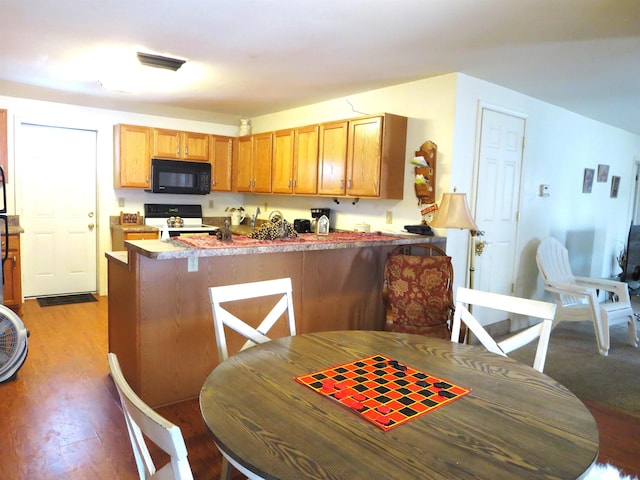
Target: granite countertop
x=210 y=246
x=14 y=225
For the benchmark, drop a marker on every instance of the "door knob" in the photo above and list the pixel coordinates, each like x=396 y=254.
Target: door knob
x=91 y=226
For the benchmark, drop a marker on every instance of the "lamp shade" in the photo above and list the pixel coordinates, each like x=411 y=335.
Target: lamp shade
x=454 y=213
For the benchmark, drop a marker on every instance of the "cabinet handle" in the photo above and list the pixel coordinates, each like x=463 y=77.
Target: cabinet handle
x=14 y=260
x=186 y=151
x=178 y=152
x=295 y=182
x=289 y=184
x=349 y=183
x=249 y=184
x=342 y=183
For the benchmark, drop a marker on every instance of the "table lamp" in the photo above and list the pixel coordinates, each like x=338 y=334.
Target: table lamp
x=454 y=213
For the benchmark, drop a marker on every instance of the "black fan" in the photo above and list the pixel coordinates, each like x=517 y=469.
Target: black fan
x=13 y=344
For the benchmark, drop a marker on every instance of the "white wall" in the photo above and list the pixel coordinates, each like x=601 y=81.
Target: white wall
x=559 y=146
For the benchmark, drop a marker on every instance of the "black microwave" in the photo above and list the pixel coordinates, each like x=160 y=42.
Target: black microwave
x=175 y=176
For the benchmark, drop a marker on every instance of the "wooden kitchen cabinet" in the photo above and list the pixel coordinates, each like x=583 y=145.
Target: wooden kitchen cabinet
x=221 y=159
x=119 y=235
x=13 y=274
x=332 y=158
x=252 y=168
x=132 y=156
x=363 y=157
x=178 y=145
x=295 y=161
x=282 y=164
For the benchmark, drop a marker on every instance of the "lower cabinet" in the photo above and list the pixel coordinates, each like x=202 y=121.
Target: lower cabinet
x=13 y=274
x=119 y=235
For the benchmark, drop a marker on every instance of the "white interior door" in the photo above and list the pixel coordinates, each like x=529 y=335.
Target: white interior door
x=56 y=168
x=497 y=202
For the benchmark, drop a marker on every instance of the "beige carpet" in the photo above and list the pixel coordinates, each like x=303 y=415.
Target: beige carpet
x=573 y=360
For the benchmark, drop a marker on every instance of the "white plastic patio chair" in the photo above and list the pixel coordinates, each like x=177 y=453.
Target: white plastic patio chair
x=578 y=297
x=231 y=293
x=506 y=303
x=143 y=422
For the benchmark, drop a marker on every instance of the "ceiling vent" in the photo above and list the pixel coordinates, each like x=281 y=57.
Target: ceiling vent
x=158 y=61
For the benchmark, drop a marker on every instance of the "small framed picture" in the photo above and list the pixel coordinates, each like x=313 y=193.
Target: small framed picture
x=587 y=180
x=615 y=183
x=322 y=226
x=603 y=173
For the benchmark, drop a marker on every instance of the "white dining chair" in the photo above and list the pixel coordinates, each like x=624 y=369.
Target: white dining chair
x=578 y=297
x=243 y=291
x=143 y=422
x=521 y=306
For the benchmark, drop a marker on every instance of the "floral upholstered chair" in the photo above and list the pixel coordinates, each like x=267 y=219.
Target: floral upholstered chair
x=418 y=291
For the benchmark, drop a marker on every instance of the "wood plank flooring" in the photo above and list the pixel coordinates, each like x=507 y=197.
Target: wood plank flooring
x=60 y=419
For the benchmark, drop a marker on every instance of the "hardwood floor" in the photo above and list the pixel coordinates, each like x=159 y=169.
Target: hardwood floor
x=60 y=419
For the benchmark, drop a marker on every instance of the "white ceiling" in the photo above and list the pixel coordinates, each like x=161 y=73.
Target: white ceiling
x=251 y=57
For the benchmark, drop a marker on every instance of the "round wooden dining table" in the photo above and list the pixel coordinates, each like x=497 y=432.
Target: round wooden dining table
x=515 y=423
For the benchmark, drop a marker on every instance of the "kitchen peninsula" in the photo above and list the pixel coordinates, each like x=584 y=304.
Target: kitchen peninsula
x=160 y=322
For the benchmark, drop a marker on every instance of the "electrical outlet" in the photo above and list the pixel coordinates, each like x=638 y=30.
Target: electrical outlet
x=121 y=202
x=192 y=264
x=265 y=207
x=210 y=203
x=389 y=217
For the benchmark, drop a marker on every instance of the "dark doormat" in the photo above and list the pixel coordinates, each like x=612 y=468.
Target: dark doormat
x=65 y=299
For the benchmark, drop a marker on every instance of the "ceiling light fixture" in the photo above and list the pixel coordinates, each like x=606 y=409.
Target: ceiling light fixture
x=159 y=61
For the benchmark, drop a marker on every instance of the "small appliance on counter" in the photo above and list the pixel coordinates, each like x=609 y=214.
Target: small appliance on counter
x=302 y=225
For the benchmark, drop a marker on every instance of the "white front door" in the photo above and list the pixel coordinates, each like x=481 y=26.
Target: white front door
x=496 y=203
x=56 y=168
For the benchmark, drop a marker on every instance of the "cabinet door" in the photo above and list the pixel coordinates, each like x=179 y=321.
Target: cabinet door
x=262 y=157
x=282 y=165
x=305 y=156
x=364 y=157
x=332 y=158
x=133 y=156
x=221 y=158
x=243 y=172
x=195 y=147
x=166 y=143
x=12 y=273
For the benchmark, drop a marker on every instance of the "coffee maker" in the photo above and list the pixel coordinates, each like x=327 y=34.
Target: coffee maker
x=316 y=213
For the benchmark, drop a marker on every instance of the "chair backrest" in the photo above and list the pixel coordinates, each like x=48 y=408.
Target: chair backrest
x=417 y=290
x=142 y=420
x=521 y=306
x=243 y=291
x=553 y=263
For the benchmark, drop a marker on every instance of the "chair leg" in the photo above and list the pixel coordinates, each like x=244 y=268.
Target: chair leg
x=602 y=335
x=633 y=333
x=225 y=469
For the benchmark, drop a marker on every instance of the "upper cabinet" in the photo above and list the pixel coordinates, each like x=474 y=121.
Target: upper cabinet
x=132 y=147
x=363 y=157
x=252 y=165
x=282 y=164
x=295 y=161
x=221 y=158
x=332 y=158
x=180 y=145
x=305 y=160
x=359 y=157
